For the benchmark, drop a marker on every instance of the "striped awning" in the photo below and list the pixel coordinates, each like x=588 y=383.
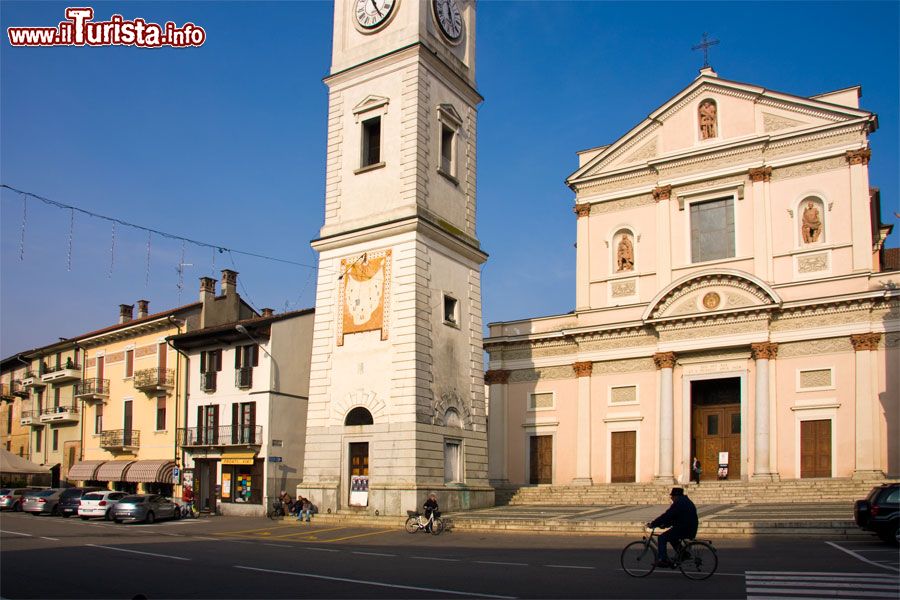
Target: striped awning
x=112 y=470
x=84 y=470
x=151 y=471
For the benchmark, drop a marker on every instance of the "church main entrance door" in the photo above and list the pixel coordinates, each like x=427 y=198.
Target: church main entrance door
x=815 y=448
x=541 y=459
x=716 y=425
x=622 y=456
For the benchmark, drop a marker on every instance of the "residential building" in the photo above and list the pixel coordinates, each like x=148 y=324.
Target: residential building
x=14 y=436
x=732 y=303
x=245 y=431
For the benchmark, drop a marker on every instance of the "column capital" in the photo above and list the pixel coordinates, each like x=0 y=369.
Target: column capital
x=859 y=157
x=865 y=341
x=582 y=210
x=765 y=350
x=664 y=360
x=760 y=174
x=662 y=192
x=496 y=376
x=583 y=368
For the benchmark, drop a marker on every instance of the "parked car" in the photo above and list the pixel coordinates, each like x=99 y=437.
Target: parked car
x=43 y=502
x=880 y=512
x=145 y=508
x=70 y=500
x=13 y=498
x=99 y=504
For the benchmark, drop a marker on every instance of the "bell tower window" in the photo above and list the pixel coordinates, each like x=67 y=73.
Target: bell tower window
x=371 y=142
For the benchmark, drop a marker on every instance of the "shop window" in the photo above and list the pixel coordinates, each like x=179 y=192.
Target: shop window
x=243 y=484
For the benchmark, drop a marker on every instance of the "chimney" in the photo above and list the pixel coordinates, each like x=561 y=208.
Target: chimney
x=126 y=313
x=143 y=308
x=267 y=312
x=229 y=282
x=207 y=288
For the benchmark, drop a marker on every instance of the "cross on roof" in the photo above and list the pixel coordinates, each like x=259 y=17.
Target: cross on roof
x=704 y=45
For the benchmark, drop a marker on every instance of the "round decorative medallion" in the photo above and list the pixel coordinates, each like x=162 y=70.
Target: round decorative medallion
x=711 y=300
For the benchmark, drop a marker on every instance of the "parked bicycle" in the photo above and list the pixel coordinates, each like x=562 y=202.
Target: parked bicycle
x=697 y=559
x=187 y=511
x=417 y=522
x=277 y=511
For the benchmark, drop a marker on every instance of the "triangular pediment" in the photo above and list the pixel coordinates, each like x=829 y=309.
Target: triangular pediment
x=371 y=102
x=711 y=293
x=742 y=113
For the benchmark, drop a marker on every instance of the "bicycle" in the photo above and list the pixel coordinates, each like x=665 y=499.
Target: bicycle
x=697 y=559
x=417 y=522
x=277 y=511
x=187 y=511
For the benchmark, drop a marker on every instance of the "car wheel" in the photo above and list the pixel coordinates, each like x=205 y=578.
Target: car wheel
x=54 y=512
x=66 y=515
x=17 y=507
x=118 y=521
x=34 y=514
x=151 y=518
x=108 y=515
x=84 y=518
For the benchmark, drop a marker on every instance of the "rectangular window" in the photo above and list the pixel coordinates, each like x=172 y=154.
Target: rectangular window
x=56 y=396
x=9 y=416
x=39 y=402
x=55 y=440
x=451 y=314
x=452 y=461
x=447 y=135
x=243 y=419
x=712 y=230
x=129 y=363
x=210 y=364
x=38 y=439
x=371 y=142
x=98 y=419
x=160 y=413
x=245 y=358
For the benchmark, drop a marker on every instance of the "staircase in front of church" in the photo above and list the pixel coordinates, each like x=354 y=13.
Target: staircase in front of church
x=712 y=492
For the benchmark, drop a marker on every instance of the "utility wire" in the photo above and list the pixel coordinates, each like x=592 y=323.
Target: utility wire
x=164 y=234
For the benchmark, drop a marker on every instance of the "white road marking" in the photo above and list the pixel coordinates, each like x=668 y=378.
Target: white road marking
x=375 y=583
x=374 y=554
x=197 y=537
x=49 y=538
x=863 y=558
x=16 y=533
x=279 y=545
x=434 y=558
x=815 y=593
x=497 y=562
x=320 y=549
x=138 y=552
x=568 y=567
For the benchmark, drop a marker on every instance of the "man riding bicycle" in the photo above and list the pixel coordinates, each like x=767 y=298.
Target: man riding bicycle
x=681 y=518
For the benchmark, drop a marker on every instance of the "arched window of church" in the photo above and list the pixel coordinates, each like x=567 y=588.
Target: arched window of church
x=623 y=251
x=452 y=419
x=811 y=218
x=359 y=416
x=708 y=119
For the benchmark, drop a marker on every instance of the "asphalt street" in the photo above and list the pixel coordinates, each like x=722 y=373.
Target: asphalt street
x=47 y=557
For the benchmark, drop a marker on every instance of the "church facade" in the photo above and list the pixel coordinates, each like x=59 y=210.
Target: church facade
x=396 y=400
x=731 y=305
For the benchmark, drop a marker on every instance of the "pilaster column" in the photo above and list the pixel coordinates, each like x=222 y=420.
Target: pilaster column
x=762 y=353
x=662 y=194
x=583 y=258
x=498 y=415
x=868 y=427
x=860 y=217
x=665 y=362
x=762 y=248
x=583 y=442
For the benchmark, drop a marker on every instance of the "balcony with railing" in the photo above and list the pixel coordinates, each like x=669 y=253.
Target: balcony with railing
x=6 y=391
x=33 y=380
x=223 y=435
x=31 y=418
x=70 y=371
x=243 y=378
x=154 y=380
x=208 y=381
x=120 y=439
x=92 y=390
x=64 y=413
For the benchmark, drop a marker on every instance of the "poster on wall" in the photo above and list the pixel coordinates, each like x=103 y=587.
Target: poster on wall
x=226 y=485
x=359 y=490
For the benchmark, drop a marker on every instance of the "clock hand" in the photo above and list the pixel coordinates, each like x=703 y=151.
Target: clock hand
x=375 y=6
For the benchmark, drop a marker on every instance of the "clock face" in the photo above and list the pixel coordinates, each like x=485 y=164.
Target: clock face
x=372 y=13
x=448 y=17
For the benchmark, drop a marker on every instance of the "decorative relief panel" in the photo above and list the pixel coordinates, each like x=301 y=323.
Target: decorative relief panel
x=813 y=347
x=775 y=122
x=622 y=394
x=142 y=351
x=633 y=365
x=621 y=204
x=813 y=263
x=718 y=330
x=603 y=185
x=522 y=375
x=691 y=294
x=115 y=357
x=450 y=405
x=809 y=168
x=646 y=151
x=616 y=342
x=623 y=288
x=815 y=378
x=364 y=293
x=541 y=400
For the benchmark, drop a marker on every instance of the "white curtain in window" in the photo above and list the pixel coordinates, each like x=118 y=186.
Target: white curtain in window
x=451 y=461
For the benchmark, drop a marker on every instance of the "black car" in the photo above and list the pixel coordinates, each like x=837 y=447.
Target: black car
x=70 y=499
x=880 y=512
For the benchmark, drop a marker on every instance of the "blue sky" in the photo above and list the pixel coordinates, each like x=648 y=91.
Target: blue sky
x=226 y=143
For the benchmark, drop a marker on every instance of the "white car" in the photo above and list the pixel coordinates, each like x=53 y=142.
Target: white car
x=99 y=504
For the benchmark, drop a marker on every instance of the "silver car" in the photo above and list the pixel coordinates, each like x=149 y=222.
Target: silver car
x=13 y=498
x=145 y=508
x=43 y=502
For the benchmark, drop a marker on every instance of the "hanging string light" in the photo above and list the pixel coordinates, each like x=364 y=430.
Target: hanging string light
x=24 y=221
x=71 y=236
x=147 y=274
x=180 y=270
x=112 y=252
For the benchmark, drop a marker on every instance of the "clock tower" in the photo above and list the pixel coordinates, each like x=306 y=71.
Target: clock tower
x=396 y=407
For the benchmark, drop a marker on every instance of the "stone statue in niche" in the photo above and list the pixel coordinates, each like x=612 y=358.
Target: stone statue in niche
x=708 y=120
x=812 y=223
x=624 y=254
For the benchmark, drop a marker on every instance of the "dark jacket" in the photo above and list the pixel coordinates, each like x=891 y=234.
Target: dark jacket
x=681 y=517
x=430 y=505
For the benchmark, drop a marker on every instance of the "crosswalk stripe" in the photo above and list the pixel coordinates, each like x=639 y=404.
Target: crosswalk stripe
x=826 y=584
x=788 y=585
x=856 y=574
x=819 y=593
x=840 y=579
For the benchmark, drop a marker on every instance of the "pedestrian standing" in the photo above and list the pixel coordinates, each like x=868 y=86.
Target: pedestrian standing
x=696 y=470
